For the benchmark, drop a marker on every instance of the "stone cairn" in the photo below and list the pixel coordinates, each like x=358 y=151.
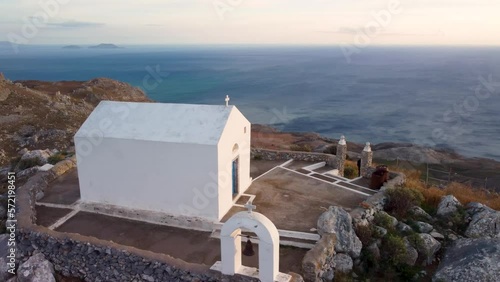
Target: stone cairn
x=366 y=159
x=341 y=154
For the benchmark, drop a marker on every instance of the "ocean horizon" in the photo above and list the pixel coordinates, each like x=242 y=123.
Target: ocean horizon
x=446 y=97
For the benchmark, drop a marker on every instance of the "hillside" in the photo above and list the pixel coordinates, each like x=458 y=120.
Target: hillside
x=46 y=115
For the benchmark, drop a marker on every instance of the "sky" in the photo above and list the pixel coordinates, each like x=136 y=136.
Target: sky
x=304 y=22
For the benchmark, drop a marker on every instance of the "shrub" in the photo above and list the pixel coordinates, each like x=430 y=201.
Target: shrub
x=56 y=158
x=350 y=172
x=364 y=233
x=383 y=220
x=400 y=200
x=28 y=163
x=393 y=249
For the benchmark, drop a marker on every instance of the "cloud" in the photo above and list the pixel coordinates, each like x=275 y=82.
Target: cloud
x=75 y=24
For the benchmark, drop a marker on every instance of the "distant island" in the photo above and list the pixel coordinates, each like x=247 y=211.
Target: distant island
x=104 y=46
x=72 y=47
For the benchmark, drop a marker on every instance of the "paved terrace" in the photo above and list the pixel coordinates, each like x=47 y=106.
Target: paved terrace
x=293 y=200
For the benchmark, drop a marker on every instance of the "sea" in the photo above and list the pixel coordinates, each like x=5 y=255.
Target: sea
x=446 y=97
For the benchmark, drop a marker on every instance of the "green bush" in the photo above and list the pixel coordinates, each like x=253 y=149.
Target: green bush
x=28 y=163
x=56 y=158
x=383 y=220
x=400 y=200
x=393 y=249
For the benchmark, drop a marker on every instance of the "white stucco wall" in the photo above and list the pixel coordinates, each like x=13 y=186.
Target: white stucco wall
x=234 y=133
x=149 y=175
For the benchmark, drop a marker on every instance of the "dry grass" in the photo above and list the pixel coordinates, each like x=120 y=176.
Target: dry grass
x=465 y=194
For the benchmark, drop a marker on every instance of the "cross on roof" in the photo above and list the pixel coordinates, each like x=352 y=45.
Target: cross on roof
x=249 y=206
x=227 y=100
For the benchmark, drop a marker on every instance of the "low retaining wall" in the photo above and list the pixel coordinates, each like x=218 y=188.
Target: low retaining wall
x=317 y=264
x=271 y=155
x=93 y=259
x=363 y=214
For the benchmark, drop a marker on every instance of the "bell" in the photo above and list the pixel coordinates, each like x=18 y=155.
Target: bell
x=248 y=251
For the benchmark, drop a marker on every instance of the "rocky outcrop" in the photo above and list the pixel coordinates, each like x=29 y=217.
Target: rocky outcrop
x=337 y=221
x=428 y=247
x=471 y=260
x=485 y=221
x=448 y=205
x=36 y=269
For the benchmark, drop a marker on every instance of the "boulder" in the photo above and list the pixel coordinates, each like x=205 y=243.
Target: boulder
x=411 y=253
x=485 y=222
x=428 y=248
x=380 y=231
x=36 y=269
x=337 y=221
x=342 y=263
x=316 y=261
x=423 y=227
x=437 y=235
x=392 y=220
x=419 y=212
x=448 y=205
x=471 y=260
x=403 y=227
x=4 y=274
x=374 y=251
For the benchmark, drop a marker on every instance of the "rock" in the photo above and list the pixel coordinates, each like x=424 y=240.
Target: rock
x=23 y=174
x=428 y=248
x=374 y=251
x=3 y=212
x=342 y=263
x=317 y=257
x=423 y=227
x=4 y=274
x=39 y=195
x=471 y=260
x=393 y=220
x=147 y=278
x=448 y=205
x=452 y=237
x=403 y=227
x=419 y=212
x=22 y=151
x=42 y=155
x=36 y=269
x=411 y=253
x=437 y=235
x=337 y=221
x=380 y=231
x=485 y=222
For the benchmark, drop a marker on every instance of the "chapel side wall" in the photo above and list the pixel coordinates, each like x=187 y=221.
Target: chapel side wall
x=147 y=175
x=234 y=133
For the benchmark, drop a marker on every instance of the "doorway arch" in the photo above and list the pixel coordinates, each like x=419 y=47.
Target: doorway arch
x=268 y=244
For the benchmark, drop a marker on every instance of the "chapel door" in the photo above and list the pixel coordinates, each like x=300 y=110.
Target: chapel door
x=235 y=177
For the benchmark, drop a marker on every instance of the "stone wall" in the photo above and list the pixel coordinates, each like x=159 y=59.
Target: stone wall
x=271 y=155
x=317 y=264
x=93 y=259
x=375 y=203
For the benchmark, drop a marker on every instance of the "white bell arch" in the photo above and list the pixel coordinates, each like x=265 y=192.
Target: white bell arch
x=268 y=244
